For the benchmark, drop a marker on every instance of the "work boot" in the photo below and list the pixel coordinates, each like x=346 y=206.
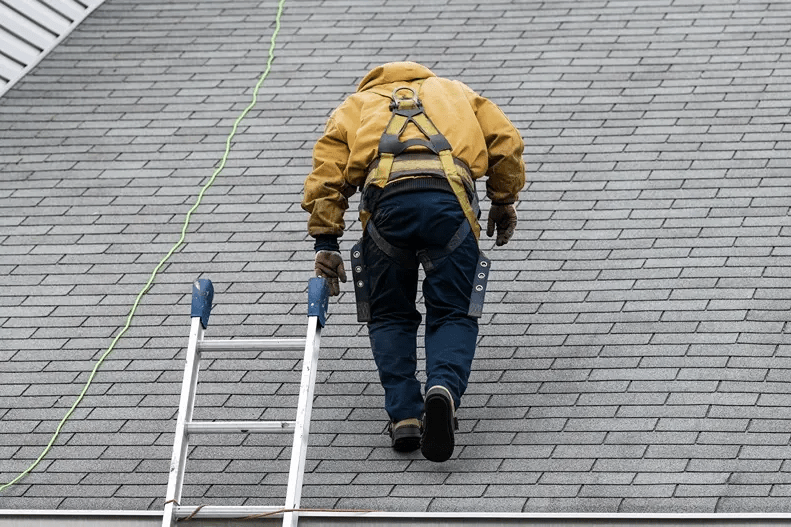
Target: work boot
x=405 y=435
x=439 y=422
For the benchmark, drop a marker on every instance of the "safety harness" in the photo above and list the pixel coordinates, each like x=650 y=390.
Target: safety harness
x=387 y=169
x=416 y=171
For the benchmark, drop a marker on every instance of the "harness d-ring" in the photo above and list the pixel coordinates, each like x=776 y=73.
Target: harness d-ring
x=398 y=100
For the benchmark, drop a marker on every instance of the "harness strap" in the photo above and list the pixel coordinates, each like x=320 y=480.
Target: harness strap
x=421 y=164
x=457 y=186
x=430 y=257
x=416 y=171
x=410 y=259
x=390 y=143
x=382 y=172
x=402 y=257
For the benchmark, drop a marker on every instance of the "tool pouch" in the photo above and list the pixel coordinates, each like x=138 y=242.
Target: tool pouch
x=479 y=285
x=359 y=275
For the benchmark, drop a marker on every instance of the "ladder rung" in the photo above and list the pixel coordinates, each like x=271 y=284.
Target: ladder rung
x=229 y=427
x=250 y=344
x=213 y=511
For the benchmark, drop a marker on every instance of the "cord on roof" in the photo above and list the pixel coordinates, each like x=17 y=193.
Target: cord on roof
x=162 y=262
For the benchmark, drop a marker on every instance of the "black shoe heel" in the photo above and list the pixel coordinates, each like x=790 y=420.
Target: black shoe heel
x=437 y=443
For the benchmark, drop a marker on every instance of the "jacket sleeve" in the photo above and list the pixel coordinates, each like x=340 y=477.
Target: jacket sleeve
x=506 y=172
x=326 y=192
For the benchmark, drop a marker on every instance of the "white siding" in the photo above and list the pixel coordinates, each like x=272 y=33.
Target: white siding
x=29 y=29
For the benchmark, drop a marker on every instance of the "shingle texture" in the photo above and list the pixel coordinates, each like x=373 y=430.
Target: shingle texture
x=634 y=350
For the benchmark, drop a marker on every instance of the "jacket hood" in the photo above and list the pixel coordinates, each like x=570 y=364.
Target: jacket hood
x=394 y=72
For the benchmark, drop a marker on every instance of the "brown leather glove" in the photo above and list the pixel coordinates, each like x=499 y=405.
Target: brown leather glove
x=329 y=265
x=502 y=216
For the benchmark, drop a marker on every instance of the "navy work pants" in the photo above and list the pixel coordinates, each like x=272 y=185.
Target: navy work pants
x=414 y=221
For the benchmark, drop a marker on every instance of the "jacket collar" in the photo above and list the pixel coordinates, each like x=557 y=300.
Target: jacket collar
x=394 y=72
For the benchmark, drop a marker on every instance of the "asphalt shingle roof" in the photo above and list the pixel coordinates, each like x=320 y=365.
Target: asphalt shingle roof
x=634 y=351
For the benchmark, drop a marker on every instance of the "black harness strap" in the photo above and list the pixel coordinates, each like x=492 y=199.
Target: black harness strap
x=430 y=258
x=403 y=257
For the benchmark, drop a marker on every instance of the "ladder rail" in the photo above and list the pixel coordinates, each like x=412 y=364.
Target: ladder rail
x=299 y=448
x=181 y=441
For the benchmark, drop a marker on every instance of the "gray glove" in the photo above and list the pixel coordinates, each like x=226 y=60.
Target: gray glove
x=329 y=265
x=503 y=216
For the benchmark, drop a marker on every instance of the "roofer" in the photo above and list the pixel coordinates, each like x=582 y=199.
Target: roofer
x=414 y=143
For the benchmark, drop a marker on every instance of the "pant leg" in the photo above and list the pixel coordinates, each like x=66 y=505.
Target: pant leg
x=414 y=221
x=451 y=335
x=393 y=331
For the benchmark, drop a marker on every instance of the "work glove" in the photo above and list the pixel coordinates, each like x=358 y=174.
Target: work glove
x=329 y=265
x=502 y=216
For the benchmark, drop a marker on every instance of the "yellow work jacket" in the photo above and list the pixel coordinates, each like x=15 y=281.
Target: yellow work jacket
x=480 y=134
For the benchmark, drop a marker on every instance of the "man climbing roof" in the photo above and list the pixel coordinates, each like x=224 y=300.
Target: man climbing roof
x=414 y=144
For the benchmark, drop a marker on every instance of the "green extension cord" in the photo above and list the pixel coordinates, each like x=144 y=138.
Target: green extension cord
x=167 y=256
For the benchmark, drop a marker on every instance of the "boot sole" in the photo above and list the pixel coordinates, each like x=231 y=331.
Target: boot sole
x=407 y=444
x=437 y=443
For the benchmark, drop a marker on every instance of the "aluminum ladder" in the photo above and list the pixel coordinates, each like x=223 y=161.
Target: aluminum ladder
x=202 y=296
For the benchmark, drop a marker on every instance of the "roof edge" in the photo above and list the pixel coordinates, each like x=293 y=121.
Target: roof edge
x=111 y=518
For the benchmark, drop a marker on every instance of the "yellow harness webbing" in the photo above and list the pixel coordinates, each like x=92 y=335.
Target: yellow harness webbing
x=406 y=110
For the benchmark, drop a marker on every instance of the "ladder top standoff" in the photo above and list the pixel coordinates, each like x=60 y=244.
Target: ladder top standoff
x=203 y=296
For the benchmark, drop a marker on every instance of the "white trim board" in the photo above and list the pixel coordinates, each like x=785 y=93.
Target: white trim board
x=30 y=29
